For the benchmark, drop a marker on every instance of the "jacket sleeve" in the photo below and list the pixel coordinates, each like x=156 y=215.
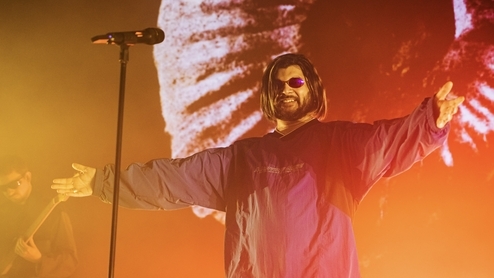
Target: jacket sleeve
x=199 y=179
x=390 y=147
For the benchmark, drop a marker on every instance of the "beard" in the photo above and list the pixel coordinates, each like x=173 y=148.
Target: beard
x=285 y=113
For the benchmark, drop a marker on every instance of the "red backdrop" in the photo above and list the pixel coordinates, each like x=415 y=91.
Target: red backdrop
x=378 y=60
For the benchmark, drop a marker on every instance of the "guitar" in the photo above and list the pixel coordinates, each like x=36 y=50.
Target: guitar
x=7 y=262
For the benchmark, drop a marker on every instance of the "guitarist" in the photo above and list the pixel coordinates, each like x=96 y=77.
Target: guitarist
x=51 y=251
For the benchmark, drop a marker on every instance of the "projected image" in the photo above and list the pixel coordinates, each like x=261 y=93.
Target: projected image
x=368 y=54
x=377 y=59
x=210 y=67
x=200 y=89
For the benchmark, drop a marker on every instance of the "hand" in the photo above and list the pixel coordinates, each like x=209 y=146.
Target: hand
x=444 y=107
x=80 y=185
x=27 y=250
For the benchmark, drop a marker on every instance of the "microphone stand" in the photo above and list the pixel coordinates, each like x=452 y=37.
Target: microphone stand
x=124 y=58
x=124 y=40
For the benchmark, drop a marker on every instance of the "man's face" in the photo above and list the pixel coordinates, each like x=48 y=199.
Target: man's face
x=291 y=104
x=16 y=187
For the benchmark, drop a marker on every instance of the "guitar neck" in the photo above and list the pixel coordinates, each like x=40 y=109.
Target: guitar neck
x=7 y=261
x=29 y=233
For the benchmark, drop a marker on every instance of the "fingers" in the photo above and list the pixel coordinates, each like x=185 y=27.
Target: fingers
x=21 y=247
x=79 y=185
x=459 y=100
x=64 y=188
x=446 y=115
x=27 y=250
x=451 y=106
x=21 y=244
x=73 y=187
x=447 y=109
x=442 y=95
x=445 y=106
x=85 y=172
x=62 y=183
x=79 y=167
x=444 y=91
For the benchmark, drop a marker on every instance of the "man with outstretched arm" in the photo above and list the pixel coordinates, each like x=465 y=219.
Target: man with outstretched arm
x=291 y=195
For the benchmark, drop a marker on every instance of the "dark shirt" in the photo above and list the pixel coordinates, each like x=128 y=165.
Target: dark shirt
x=54 y=238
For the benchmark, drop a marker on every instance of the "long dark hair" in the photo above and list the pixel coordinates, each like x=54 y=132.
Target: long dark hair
x=314 y=83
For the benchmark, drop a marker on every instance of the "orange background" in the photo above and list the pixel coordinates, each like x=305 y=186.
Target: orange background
x=59 y=97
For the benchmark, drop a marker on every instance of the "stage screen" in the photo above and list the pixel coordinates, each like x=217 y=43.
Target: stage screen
x=199 y=89
x=377 y=59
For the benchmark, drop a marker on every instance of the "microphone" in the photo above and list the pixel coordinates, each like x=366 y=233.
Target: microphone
x=148 y=36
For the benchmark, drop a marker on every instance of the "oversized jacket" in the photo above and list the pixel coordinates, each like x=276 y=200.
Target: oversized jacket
x=289 y=200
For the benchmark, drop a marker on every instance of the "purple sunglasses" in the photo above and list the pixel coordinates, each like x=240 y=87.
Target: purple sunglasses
x=294 y=82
